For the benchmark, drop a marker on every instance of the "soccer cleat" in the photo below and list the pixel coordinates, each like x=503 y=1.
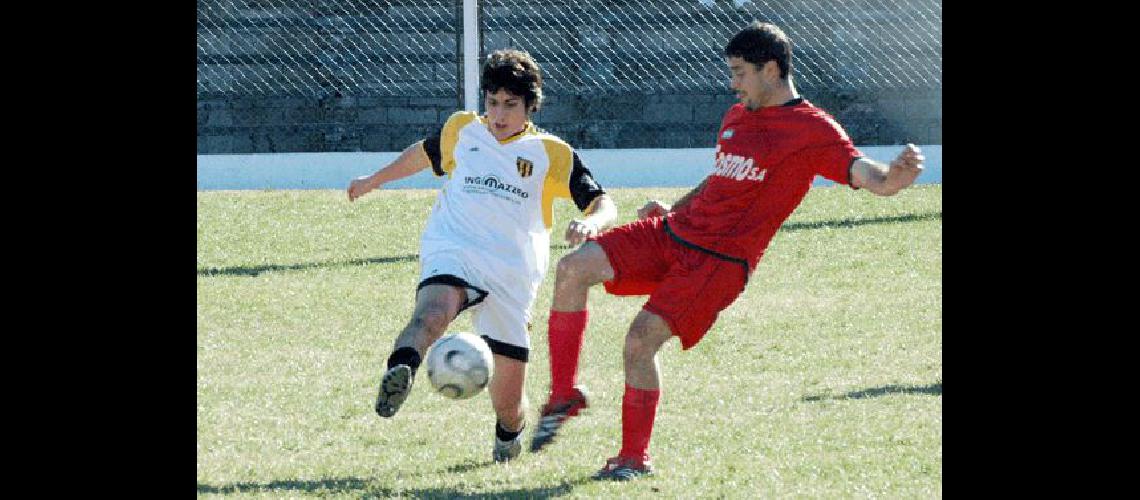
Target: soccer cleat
x=554 y=414
x=621 y=468
x=505 y=451
x=394 y=389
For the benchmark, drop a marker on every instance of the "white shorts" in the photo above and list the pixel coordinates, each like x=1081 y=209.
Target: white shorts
x=503 y=321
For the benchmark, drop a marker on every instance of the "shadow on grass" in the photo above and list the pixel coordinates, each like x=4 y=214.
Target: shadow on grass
x=466 y=467
x=792 y=226
x=358 y=486
x=848 y=223
x=561 y=489
x=334 y=485
x=930 y=390
x=257 y=270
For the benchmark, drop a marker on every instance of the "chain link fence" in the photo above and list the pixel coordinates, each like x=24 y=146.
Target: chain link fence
x=368 y=48
x=327 y=48
x=676 y=46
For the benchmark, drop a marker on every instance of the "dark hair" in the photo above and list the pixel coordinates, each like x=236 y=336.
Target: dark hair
x=762 y=42
x=517 y=73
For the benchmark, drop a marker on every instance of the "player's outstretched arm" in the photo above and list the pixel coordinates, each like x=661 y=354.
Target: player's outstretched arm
x=412 y=160
x=886 y=180
x=601 y=213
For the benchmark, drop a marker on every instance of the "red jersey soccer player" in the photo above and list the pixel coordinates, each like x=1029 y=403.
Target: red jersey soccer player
x=693 y=259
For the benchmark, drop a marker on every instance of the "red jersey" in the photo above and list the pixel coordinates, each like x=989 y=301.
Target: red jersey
x=766 y=161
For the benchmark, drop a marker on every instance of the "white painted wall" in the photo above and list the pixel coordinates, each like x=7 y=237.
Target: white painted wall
x=613 y=168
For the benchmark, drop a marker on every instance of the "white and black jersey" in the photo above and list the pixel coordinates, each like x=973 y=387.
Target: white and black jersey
x=493 y=215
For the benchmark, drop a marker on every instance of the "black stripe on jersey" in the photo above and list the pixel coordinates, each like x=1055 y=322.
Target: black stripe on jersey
x=583 y=187
x=509 y=350
x=431 y=147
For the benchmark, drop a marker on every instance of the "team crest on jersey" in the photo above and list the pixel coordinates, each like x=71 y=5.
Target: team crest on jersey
x=526 y=167
x=727 y=134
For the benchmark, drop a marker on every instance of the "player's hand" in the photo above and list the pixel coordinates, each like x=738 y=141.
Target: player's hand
x=579 y=230
x=906 y=167
x=653 y=208
x=359 y=187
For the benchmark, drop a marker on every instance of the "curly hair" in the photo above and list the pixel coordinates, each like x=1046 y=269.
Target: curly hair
x=517 y=73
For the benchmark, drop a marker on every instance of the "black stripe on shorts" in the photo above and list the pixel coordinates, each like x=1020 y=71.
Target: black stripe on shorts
x=456 y=281
x=504 y=349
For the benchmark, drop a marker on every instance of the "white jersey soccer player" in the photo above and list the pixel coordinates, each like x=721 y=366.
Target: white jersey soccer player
x=486 y=246
x=490 y=225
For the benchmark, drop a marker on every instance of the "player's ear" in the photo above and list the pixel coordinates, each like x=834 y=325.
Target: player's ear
x=769 y=69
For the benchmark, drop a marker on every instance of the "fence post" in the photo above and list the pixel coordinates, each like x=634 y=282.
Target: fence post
x=471 y=55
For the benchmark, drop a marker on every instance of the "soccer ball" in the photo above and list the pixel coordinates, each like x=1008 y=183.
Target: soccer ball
x=459 y=365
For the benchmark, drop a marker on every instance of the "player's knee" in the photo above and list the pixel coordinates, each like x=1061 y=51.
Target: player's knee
x=637 y=345
x=579 y=266
x=568 y=270
x=645 y=337
x=434 y=320
x=637 y=350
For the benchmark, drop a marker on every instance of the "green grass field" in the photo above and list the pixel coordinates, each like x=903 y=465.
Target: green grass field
x=823 y=380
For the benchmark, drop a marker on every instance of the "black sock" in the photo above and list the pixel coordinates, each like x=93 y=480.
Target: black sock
x=405 y=356
x=505 y=435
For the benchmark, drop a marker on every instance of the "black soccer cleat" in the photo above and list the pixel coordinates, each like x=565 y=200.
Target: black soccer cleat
x=624 y=469
x=394 y=389
x=555 y=414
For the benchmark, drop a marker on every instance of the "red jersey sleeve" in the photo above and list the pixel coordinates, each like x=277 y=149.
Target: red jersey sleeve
x=832 y=161
x=833 y=153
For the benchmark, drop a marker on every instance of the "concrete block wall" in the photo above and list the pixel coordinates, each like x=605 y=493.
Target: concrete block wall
x=347 y=124
x=291 y=125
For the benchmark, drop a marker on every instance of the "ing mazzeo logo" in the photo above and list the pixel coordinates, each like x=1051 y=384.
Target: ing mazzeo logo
x=490 y=184
x=526 y=167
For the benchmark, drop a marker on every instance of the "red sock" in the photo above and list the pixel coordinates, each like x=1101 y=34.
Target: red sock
x=638 y=410
x=565 y=333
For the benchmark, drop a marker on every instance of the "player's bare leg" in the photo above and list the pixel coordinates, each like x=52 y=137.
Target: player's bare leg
x=510 y=404
x=436 y=306
x=646 y=336
x=642 y=392
x=577 y=272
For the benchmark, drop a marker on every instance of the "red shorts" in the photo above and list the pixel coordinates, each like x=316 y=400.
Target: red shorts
x=688 y=288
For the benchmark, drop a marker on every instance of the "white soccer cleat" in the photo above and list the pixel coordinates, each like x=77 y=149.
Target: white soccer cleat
x=505 y=451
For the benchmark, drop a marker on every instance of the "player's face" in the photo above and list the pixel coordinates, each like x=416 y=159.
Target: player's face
x=749 y=82
x=506 y=113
